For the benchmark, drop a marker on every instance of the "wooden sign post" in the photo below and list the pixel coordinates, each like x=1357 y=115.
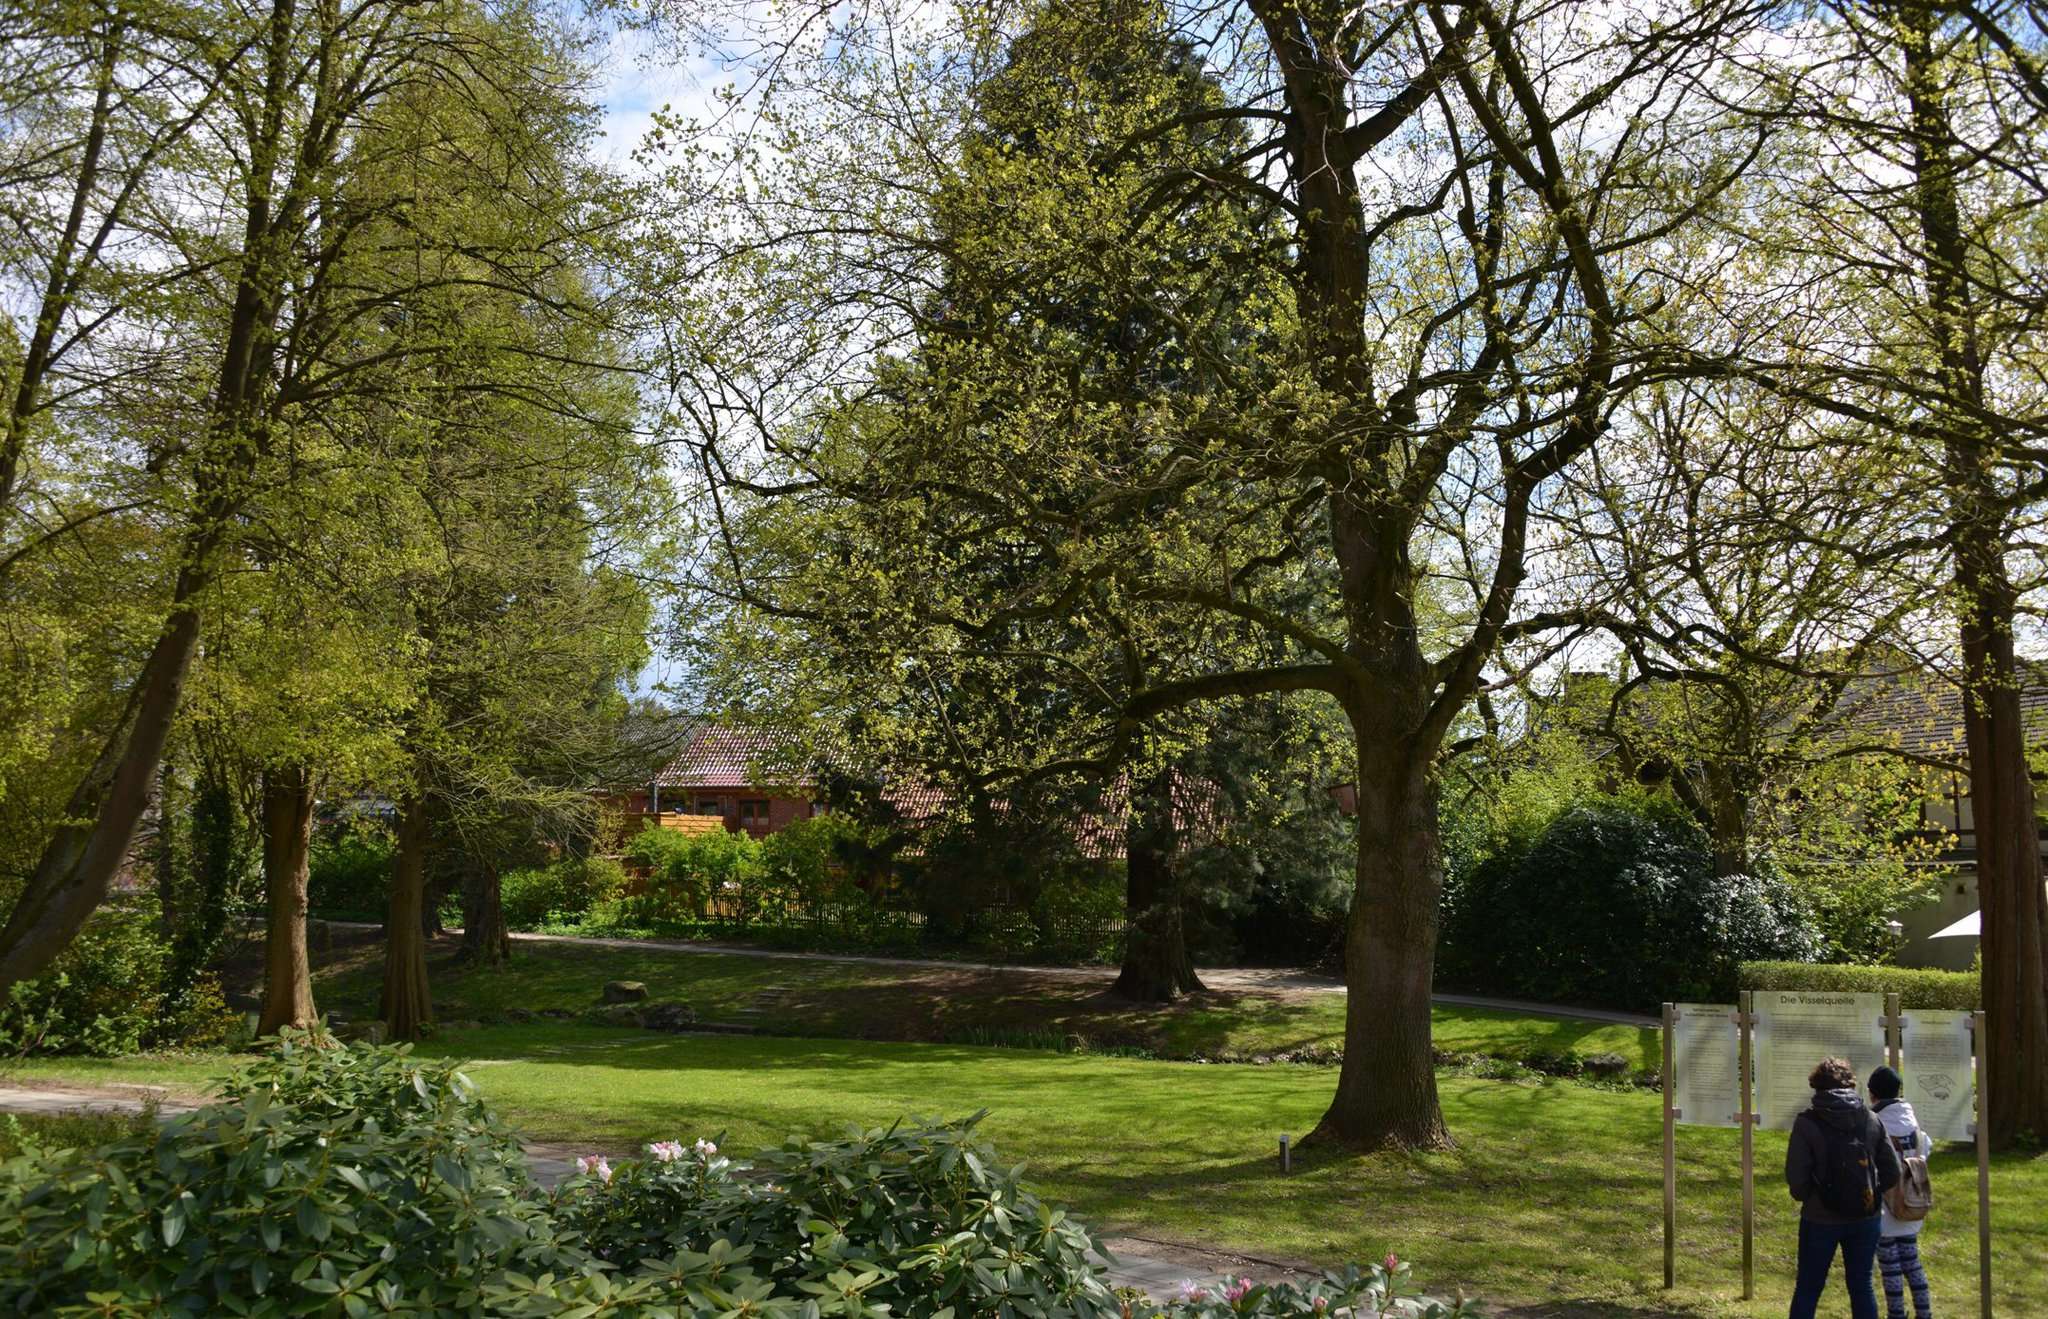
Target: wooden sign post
x=1745 y=1021
x=1983 y=1171
x=1670 y=1155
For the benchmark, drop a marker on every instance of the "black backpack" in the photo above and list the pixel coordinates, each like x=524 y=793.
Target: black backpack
x=1847 y=1174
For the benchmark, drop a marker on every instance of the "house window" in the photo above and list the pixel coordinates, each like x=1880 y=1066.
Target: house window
x=710 y=806
x=754 y=811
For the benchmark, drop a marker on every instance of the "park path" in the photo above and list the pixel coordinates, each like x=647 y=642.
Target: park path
x=1157 y=1267
x=1256 y=979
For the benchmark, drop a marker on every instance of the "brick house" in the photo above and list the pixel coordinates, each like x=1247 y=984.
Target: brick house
x=752 y=781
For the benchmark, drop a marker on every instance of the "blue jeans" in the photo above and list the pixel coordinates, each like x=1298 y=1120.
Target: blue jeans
x=1817 y=1245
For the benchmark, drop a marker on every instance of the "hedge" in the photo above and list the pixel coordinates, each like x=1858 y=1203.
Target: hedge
x=1916 y=988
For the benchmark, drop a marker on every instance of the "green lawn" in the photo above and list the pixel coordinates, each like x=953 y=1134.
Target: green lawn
x=1552 y=1197
x=862 y=1000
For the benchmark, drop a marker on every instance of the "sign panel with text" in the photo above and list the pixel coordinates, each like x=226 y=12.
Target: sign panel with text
x=1795 y=1029
x=1936 y=1063
x=1707 y=1053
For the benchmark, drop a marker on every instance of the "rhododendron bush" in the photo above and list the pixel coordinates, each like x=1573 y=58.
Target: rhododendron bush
x=357 y=1180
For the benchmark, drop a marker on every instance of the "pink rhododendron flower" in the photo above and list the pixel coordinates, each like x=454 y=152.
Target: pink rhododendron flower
x=1391 y=1262
x=1322 y=1303
x=1238 y=1290
x=596 y=1165
x=666 y=1151
x=1192 y=1291
x=705 y=1149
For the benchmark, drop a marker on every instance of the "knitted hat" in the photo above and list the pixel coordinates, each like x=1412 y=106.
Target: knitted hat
x=1885 y=1083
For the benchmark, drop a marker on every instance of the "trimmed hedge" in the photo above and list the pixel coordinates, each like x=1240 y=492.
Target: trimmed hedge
x=1916 y=988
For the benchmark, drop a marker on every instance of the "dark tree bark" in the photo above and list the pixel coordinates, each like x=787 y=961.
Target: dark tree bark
x=2014 y=940
x=1156 y=966
x=287 y=845
x=1386 y=1087
x=485 y=939
x=78 y=865
x=407 y=1009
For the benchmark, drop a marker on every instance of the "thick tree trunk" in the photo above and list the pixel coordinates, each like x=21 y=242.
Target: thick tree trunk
x=78 y=865
x=1728 y=828
x=287 y=845
x=485 y=940
x=2009 y=875
x=2014 y=939
x=407 y=1008
x=1386 y=1089
x=1156 y=965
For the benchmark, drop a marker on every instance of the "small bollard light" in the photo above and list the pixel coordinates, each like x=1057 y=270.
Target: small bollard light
x=1286 y=1158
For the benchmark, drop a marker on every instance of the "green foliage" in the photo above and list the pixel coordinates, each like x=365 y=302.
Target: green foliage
x=1854 y=905
x=102 y=995
x=329 y=1177
x=1916 y=987
x=355 y=1179
x=912 y=1219
x=569 y=887
x=1615 y=904
x=48 y=1133
x=349 y=868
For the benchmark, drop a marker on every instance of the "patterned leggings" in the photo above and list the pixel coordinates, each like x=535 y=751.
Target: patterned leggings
x=1898 y=1259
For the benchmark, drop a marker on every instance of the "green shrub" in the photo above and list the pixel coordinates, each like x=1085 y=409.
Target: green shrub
x=687 y=871
x=330 y=1178
x=338 y=1179
x=102 y=993
x=566 y=888
x=1961 y=991
x=349 y=869
x=920 y=1218
x=1617 y=905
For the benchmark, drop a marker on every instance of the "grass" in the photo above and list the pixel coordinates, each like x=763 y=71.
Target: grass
x=866 y=1000
x=1552 y=1198
x=22 y=1132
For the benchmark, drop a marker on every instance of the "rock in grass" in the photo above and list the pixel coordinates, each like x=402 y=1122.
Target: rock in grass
x=1608 y=1065
x=671 y=1015
x=624 y=991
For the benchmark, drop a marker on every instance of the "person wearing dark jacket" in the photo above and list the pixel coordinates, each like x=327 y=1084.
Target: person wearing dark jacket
x=1838 y=1165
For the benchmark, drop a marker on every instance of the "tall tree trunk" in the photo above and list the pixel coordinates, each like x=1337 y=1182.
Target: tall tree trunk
x=78 y=865
x=287 y=845
x=485 y=939
x=1156 y=966
x=1386 y=1089
x=2014 y=905
x=407 y=1008
x=2009 y=875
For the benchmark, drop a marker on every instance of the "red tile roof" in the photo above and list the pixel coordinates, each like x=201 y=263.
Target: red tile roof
x=716 y=756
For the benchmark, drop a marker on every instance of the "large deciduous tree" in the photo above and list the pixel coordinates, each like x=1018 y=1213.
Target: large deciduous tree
x=1360 y=338
x=1898 y=236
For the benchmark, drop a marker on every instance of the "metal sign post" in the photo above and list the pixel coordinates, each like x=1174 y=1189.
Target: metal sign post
x=1745 y=1021
x=1670 y=1157
x=1894 y=1027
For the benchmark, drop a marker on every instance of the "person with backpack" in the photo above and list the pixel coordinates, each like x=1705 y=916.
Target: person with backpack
x=1906 y=1204
x=1838 y=1165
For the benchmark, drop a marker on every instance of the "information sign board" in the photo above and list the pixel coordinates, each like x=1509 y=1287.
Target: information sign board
x=1936 y=1064
x=1795 y=1029
x=1707 y=1070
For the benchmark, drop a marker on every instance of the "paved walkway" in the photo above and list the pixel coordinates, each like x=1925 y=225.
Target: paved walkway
x=1151 y=1266
x=1242 y=978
